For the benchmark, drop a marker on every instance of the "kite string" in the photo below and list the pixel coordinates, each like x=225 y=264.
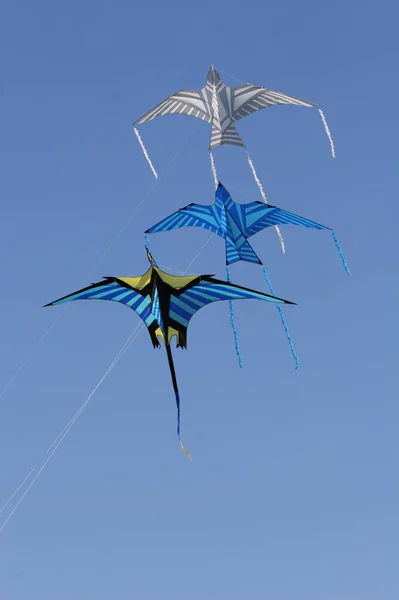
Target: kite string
x=17 y=490
x=264 y=198
x=57 y=442
x=21 y=368
x=144 y=149
x=280 y=310
x=328 y=132
x=232 y=76
x=113 y=364
x=65 y=432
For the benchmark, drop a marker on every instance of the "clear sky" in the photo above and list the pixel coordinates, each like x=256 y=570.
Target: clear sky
x=293 y=492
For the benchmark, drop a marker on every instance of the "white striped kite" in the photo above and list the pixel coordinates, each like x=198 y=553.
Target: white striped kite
x=221 y=106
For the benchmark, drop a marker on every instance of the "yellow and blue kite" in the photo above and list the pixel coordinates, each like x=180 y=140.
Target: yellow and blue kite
x=166 y=303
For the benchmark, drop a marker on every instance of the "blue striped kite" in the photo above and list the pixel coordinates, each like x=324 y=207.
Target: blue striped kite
x=234 y=222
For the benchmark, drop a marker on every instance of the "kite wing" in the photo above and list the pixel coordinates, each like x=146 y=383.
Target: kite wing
x=185 y=304
x=255 y=216
x=185 y=102
x=193 y=215
x=115 y=289
x=248 y=98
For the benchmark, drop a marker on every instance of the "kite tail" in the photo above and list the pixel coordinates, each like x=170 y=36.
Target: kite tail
x=176 y=389
x=233 y=324
x=341 y=253
x=328 y=132
x=264 y=198
x=144 y=149
x=280 y=310
x=215 y=176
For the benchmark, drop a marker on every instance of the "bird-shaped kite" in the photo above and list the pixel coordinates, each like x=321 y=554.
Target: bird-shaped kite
x=236 y=223
x=166 y=303
x=220 y=105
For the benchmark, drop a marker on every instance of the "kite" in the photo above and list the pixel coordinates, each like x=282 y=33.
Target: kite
x=221 y=106
x=236 y=223
x=166 y=303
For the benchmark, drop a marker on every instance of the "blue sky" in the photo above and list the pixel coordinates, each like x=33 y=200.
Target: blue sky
x=293 y=491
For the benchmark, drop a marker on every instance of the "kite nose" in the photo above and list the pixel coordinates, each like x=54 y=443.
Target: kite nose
x=213 y=76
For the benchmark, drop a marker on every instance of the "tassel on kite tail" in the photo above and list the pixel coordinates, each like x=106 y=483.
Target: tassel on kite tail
x=341 y=253
x=144 y=149
x=328 y=132
x=280 y=310
x=233 y=324
x=264 y=198
x=176 y=389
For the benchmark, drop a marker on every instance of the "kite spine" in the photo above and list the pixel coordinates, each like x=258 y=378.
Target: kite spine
x=280 y=310
x=233 y=324
x=264 y=198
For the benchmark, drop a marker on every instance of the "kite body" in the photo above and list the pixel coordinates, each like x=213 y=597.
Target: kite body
x=233 y=222
x=166 y=303
x=221 y=106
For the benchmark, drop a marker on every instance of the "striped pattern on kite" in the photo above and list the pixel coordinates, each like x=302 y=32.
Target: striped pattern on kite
x=110 y=289
x=250 y=98
x=221 y=105
x=233 y=222
x=184 y=102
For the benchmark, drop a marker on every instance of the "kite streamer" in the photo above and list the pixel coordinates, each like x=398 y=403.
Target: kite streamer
x=215 y=177
x=144 y=149
x=328 y=132
x=233 y=323
x=341 y=253
x=264 y=198
x=287 y=332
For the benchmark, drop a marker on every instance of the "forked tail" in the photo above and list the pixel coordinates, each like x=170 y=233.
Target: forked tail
x=229 y=135
x=234 y=253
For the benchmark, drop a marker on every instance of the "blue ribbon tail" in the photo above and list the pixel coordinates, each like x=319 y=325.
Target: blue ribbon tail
x=341 y=253
x=280 y=310
x=233 y=323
